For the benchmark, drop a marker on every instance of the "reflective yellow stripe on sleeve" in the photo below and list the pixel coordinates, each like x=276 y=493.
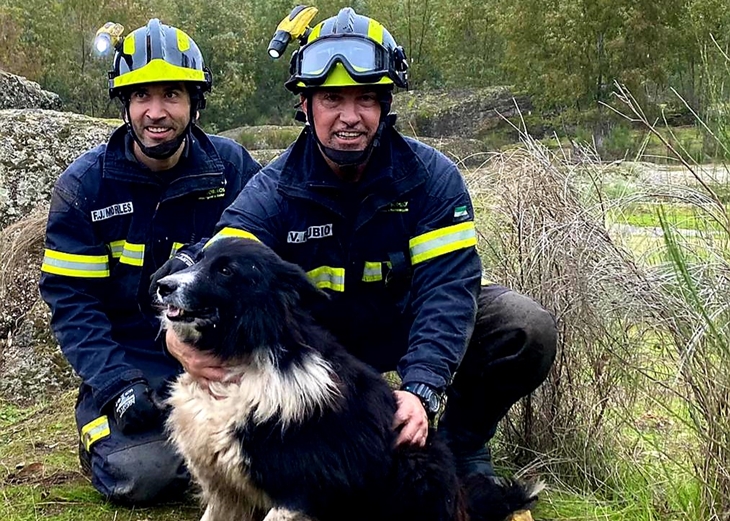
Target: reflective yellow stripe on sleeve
x=132 y=254
x=373 y=272
x=116 y=247
x=71 y=265
x=94 y=431
x=231 y=232
x=175 y=246
x=444 y=240
x=328 y=277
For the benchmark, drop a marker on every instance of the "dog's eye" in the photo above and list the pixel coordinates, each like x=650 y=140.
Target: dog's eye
x=225 y=271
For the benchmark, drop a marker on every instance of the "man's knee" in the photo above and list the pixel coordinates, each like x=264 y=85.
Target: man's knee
x=139 y=474
x=520 y=329
x=537 y=324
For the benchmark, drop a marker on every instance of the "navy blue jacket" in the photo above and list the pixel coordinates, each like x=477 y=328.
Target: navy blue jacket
x=112 y=224
x=395 y=251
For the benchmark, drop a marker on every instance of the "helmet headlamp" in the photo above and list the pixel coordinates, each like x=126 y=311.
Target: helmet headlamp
x=108 y=38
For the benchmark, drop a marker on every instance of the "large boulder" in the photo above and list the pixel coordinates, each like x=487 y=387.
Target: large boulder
x=32 y=367
x=17 y=92
x=35 y=147
x=470 y=113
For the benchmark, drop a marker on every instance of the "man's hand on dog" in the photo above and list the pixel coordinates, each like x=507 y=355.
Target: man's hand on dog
x=411 y=419
x=203 y=367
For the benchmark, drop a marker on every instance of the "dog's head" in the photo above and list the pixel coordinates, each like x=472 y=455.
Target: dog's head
x=239 y=298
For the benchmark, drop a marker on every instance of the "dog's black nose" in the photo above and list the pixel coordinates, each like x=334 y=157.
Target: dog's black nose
x=166 y=286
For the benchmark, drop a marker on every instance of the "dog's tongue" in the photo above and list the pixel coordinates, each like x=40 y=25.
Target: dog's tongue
x=173 y=312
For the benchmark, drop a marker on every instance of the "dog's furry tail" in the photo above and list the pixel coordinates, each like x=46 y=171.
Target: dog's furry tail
x=495 y=499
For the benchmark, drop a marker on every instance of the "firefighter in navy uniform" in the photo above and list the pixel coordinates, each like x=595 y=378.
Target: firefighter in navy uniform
x=385 y=225
x=117 y=214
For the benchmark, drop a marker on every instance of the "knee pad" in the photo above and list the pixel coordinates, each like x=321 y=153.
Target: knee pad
x=140 y=473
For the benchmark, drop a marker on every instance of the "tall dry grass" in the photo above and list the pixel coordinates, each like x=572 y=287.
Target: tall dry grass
x=541 y=235
x=21 y=251
x=639 y=395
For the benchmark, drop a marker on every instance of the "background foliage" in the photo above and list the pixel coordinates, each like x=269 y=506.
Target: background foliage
x=565 y=54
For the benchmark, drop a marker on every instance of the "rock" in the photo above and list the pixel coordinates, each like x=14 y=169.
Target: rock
x=264 y=137
x=32 y=367
x=35 y=147
x=471 y=113
x=266 y=155
x=16 y=92
x=464 y=152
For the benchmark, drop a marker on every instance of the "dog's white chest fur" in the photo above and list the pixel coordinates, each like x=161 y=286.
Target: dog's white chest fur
x=203 y=424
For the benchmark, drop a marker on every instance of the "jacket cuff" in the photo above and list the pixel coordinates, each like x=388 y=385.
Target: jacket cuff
x=104 y=395
x=416 y=375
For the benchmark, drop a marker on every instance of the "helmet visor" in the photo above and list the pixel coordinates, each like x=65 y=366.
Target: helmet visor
x=364 y=59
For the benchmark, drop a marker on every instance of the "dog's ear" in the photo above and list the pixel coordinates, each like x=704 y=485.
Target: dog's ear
x=309 y=295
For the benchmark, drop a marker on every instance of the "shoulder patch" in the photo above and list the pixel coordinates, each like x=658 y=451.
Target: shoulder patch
x=460 y=212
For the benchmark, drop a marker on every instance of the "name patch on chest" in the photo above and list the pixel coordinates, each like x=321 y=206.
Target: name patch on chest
x=313 y=232
x=112 y=211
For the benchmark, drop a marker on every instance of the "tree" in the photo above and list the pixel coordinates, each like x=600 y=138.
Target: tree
x=570 y=53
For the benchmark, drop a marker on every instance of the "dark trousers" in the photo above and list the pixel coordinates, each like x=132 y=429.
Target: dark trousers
x=510 y=354
x=131 y=469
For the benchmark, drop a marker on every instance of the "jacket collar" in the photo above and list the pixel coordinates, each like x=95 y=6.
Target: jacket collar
x=200 y=159
x=393 y=170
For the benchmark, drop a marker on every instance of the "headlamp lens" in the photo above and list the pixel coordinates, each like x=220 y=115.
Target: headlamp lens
x=102 y=44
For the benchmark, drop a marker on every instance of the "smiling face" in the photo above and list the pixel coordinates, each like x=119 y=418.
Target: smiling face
x=159 y=112
x=345 y=118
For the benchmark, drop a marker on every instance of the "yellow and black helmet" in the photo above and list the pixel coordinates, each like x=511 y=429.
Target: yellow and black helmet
x=155 y=53
x=345 y=50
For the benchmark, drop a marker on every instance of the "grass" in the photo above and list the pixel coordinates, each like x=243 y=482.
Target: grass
x=646 y=215
x=632 y=143
x=48 y=485
x=624 y=434
x=268 y=137
x=40 y=476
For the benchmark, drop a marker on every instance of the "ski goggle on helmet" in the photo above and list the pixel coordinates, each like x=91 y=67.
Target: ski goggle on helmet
x=348 y=50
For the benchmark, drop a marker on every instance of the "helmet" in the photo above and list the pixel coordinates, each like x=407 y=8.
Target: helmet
x=155 y=53
x=346 y=50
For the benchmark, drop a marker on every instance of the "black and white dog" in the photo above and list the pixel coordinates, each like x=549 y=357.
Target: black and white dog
x=302 y=430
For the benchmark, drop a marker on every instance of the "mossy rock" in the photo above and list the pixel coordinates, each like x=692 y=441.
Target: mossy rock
x=264 y=137
x=17 y=92
x=465 y=113
x=266 y=155
x=33 y=368
x=35 y=147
